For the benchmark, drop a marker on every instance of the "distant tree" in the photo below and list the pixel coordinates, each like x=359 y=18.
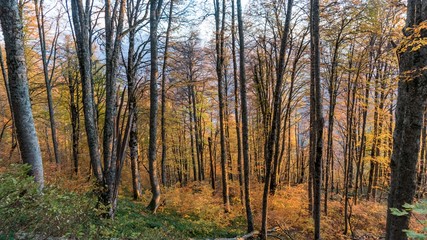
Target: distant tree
x=71 y=75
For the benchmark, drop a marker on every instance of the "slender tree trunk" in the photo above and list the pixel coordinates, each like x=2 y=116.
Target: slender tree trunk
x=317 y=120
x=155 y=8
x=361 y=155
x=9 y=100
x=163 y=109
x=132 y=15
x=421 y=172
x=219 y=46
x=73 y=87
x=81 y=21
x=47 y=78
x=245 y=130
x=275 y=123
x=193 y=157
x=373 y=163
x=236 y=101
x=333 y=93
x=212 y=172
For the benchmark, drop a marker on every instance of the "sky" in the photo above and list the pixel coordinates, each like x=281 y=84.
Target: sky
x=207 y=28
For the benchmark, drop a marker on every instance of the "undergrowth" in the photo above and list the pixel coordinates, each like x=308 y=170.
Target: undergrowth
x=26 y=213
x=67 y=208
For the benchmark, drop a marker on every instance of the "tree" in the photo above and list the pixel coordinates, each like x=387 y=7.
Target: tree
x=81 y=22
x=72 y=77
x=114 y=20
x=40 y=16
x=219 y=47
x=133 y=62
x=244 y=109
x=163 y=97
x=275 y=123
x=316 y=117
x=155 y=8
x=412 y=94
x=18 y=85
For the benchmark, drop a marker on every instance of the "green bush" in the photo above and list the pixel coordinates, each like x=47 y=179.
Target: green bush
x=27 y=213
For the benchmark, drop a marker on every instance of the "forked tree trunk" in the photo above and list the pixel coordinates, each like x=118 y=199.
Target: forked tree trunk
x=81 y=21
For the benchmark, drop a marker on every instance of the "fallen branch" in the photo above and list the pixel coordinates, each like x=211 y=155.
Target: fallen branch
x=247 y=236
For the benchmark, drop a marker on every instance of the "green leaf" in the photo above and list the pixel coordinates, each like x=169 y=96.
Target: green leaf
x=415 y=235
x=408 y=206
x=397 y=212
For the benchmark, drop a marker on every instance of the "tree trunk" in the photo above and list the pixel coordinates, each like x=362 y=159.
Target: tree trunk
x=47 y=78
x=421 y=172
x=73 y=87
x=163 y=109
x=219 y=46
x=9 y=100
x=409 y=116
x=18 y=85
x=236 y=102
x=81 y=21
x=317 y=117
x=211 y=164
x=155 y=8
x=275 y=123
x=132 y=15
x=245 y=130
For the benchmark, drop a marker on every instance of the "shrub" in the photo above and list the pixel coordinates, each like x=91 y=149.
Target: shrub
x=27 y=213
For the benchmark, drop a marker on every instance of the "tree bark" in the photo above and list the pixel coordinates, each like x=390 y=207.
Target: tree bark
x=316 y=118
x=18 y=85
x=163 y=97
x=219 y=46
x=81 y=21
x=155 y=8
x=132 y=64
x=412 y=94
x=245 y=128
x=236 y=101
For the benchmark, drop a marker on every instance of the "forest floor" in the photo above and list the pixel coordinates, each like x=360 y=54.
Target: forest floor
x=191 y=212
